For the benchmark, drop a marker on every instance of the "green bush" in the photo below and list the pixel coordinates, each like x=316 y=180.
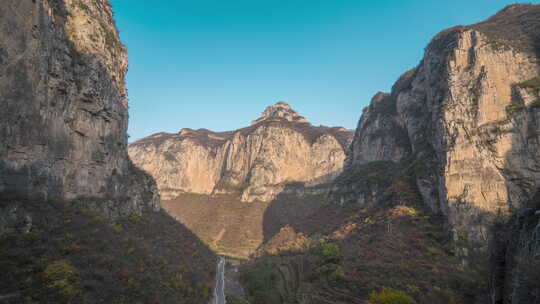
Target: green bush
x=389 y=296
x=83 y=6
x=262 y=278
x=497 y=45
x=330 y=253
x=514 y=107
x=61 y=277
x=116 y=228
x=531 y=83
x=332 y=272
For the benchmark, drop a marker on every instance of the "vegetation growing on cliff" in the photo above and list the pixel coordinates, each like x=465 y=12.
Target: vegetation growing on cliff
x=516 y=25
x=533 y=83
x=389 y=296
x=60 y=252
x=514 y=107
x=356 y=251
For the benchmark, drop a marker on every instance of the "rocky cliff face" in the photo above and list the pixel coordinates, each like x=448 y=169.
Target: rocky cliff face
x=64 y=118
x=465 y=120
x=278 y=148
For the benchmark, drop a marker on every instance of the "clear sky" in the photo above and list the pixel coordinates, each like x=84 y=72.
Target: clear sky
x=217 y=64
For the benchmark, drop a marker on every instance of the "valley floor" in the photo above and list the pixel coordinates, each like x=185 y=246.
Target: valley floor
x=234 y=228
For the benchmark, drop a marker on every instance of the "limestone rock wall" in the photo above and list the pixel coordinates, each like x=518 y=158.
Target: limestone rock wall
x=256 y=161
x=467 y=120
x=64 y=106
x=380 y=135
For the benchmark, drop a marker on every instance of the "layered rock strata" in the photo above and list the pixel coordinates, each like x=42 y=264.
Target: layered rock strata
x=257 y=161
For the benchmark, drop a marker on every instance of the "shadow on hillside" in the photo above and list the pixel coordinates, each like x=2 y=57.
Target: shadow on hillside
x=374 y=241
x=293 y=205
x=514 y=242
x=149 y=257
x=223 y=222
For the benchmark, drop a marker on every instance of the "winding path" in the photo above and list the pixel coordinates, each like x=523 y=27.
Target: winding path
x=219 y=291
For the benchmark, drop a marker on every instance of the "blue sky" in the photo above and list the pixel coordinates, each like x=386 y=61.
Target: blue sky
x=217 y=64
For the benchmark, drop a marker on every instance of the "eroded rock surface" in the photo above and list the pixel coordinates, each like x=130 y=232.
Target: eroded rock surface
x=64 y=106
x=257 y=161
x=466 y=120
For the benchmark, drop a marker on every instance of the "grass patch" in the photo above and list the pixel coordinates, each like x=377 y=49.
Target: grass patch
x=514 y=107
x=389 y=296
x=497 y=45
x=83 y=6
x=533 y=83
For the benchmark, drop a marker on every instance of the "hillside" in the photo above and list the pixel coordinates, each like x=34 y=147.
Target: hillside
x=343 y=255
x=63 y=252
x=236 y=229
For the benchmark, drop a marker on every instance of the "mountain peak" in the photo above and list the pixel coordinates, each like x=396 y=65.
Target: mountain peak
x=280 y=110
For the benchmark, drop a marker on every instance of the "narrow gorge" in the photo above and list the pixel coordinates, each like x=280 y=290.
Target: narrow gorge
x=433 y=198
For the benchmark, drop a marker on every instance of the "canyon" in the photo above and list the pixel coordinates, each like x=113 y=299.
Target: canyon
x=432 y=199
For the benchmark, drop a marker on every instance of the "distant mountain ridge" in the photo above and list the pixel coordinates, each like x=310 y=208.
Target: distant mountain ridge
x=256 y=161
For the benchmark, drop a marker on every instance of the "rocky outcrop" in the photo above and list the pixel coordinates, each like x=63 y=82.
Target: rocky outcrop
x=280 y=110
x=465 y=121
x=380 y=135
x=257 y=161
x=64 y=106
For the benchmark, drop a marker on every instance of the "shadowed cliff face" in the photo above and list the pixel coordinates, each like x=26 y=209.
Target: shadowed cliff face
x=278 y=148
x=64 y=119
x=466 y=119
x=64 y=165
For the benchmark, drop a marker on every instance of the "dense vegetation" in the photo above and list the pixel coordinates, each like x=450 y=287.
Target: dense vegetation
x=517 y=25
x=399 y=247
x=533 y=83
x=61 y=252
